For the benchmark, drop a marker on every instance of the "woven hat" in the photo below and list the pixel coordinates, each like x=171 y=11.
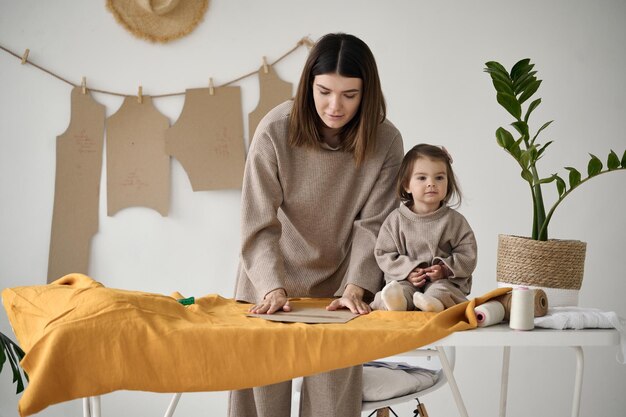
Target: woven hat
x=158 y=20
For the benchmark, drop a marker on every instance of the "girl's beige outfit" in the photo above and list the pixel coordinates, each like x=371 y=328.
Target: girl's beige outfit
x=408 y=240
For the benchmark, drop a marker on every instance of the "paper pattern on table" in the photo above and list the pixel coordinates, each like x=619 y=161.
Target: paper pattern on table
x=310 y=315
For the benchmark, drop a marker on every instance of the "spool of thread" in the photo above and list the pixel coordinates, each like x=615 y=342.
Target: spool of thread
x=541 y=303
x=490 y=313
x=522 y=309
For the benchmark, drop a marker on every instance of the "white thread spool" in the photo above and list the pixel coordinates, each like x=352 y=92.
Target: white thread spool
x=522 y=309
x=490 y=313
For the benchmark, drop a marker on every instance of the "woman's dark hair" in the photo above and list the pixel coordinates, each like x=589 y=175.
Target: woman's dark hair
x=348 y=56
x=423 y=150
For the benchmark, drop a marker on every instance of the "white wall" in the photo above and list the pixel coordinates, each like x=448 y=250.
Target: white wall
x=431 y=55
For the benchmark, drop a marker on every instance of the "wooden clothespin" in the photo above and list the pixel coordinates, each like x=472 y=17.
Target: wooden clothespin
x=211 y=87
x=25 y=56
x=265 y=67
x=83 y=85
x=140 y=95
x=306 y=41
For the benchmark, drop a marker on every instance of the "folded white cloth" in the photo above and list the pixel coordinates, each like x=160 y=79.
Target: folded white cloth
x=585 y=318
x=385 y=380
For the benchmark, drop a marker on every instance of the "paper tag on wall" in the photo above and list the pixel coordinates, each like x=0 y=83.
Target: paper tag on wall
x=138 y=169
x=207 y=139
x=77 y=187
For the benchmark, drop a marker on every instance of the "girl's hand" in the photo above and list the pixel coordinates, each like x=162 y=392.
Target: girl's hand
x=272 y=302
x=437 y=272
x=417 y=277
x=351 y=299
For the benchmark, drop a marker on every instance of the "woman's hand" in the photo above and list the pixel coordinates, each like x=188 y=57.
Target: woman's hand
x=351 y=299
x=272 y=302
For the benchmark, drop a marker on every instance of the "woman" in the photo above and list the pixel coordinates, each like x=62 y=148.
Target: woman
x=318 y=183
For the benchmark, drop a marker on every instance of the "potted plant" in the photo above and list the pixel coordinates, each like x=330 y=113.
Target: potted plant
x=538 y=261
x=9 y=350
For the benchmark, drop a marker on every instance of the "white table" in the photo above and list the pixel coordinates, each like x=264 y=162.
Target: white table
x=499 y=335
x=502 y=335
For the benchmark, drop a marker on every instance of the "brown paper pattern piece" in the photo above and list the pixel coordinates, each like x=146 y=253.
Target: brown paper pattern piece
x=207 y=139
x=272 y=92
x=138 y=169
x=77 y=187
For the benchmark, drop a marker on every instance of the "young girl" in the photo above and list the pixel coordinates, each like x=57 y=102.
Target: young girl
x=426 y=249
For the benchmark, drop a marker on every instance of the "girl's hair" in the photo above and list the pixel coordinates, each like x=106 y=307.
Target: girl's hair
x=348 y=56
x=423 y=150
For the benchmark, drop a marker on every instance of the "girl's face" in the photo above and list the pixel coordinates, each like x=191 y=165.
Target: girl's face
x=337 y=99
x=428 y=184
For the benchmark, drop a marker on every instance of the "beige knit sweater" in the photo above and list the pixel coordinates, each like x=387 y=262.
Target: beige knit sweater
x=407 y=240
x=310 y=216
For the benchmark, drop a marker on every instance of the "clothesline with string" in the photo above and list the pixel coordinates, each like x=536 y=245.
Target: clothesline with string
x=305 y=41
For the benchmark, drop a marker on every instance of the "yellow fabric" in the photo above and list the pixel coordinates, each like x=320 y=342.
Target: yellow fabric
x=82 y=339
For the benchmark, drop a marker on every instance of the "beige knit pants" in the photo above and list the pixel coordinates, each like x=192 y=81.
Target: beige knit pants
x=336 y=393
x=443 y=290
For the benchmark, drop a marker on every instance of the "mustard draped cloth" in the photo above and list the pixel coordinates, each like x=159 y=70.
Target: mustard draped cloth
x=82 y=339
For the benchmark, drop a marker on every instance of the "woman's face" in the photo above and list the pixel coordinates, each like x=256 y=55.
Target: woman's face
x=337 y=98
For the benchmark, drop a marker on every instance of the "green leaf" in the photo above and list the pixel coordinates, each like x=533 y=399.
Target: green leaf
x=521 y=67
x=515 y=150
x=520 y=83
x=503 y=77
x=533 y=154
x=504 y=138
x=3 y=356
x=16 y=372
x=525 y=158
x=532 y=107
x=501 y=86
x=521 y=127
x=524 y=83
x=496 y=66
x=510 y=103
x=560 y=185
x=594 y=166
x=527 y=175
x=20 y=353
x=548 y=179
x=613 y=161
x=543 y=148
x=546 y=124
x=574 y=177
x=529 y=91
x=13 y=353
x=623 y=163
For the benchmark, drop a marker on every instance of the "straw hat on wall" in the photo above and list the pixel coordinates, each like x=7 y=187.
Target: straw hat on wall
x=158 y=20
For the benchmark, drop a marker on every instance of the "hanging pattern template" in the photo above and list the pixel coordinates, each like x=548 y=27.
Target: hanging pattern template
x=77 y=187
x=272 y=92
x=138 y=169
x=208 y=139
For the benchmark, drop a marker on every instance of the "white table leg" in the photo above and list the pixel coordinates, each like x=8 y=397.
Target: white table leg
x=95 y=406
x=504 y=384
x=173 y=404
x=578 y=387
x=86 y=409
x=447 y=370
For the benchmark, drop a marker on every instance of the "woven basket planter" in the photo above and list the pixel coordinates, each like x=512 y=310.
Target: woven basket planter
x=554 y=264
